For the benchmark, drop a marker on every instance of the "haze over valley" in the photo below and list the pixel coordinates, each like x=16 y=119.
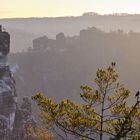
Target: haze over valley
x=68 y=72
x=24 y=30
x=58 y=64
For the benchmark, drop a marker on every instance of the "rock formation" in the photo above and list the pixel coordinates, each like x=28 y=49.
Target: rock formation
x=8 y=97
x=13 y=118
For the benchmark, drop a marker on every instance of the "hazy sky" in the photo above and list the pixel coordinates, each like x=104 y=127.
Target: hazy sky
x=48 y=8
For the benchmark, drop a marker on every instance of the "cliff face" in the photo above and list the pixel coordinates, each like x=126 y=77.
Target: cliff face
x=13 y=119
x=8 y=96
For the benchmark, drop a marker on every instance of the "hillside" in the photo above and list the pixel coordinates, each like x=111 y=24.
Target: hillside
x=58 y=69
x=23 y=30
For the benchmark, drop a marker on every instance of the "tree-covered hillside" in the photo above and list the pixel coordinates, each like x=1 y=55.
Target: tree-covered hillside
x=60 y=67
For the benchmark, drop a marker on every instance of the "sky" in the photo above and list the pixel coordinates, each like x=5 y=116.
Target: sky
x=57 y=8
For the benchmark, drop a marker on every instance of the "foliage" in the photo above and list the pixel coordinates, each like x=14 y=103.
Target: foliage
x=38 y=132
x=104 y=111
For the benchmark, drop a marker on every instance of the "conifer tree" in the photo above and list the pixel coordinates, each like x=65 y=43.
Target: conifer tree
x=104 y=112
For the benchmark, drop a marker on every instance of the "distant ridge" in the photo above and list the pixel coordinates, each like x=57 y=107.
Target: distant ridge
x=70 y=16
x=24 y=30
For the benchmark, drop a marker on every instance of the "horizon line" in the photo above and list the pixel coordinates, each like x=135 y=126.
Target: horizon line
x=84 y=14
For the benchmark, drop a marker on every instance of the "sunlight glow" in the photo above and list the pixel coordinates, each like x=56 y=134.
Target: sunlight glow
x=55 y=8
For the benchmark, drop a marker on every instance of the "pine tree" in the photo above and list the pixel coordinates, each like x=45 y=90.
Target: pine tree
x=105 y=111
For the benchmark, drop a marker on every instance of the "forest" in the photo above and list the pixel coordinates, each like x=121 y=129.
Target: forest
x=58 y=66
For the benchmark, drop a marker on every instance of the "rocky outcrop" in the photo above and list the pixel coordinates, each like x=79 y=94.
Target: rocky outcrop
x=13 y=118
x=8 y=97
x=23 y=119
